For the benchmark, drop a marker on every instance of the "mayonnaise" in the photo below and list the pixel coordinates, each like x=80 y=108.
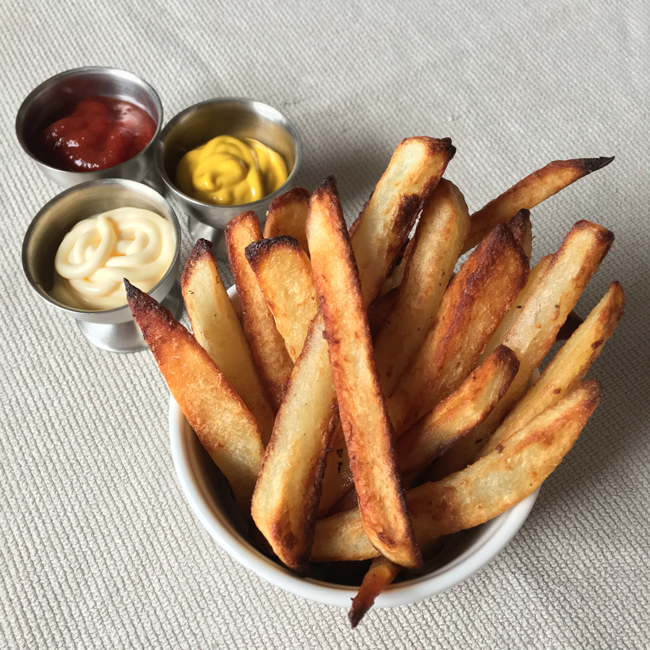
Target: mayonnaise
x=229 y=171
x=99 y=252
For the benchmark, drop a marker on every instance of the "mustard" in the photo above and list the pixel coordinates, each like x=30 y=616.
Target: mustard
x=230 y=171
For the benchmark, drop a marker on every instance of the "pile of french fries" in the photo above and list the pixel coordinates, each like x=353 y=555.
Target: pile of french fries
x=370 y=402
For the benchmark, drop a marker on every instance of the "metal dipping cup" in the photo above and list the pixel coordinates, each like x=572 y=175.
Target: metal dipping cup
x=35 y=113
x=241 y=118
x=113 y=330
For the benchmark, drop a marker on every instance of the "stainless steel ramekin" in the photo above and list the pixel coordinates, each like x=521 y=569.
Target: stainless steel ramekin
x=63 y=89
x=112 y=329
x=242 y=118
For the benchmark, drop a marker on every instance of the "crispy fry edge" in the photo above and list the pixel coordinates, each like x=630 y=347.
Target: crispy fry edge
x=401 y=543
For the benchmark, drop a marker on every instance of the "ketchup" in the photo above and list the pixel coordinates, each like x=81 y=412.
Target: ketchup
x=95 y=133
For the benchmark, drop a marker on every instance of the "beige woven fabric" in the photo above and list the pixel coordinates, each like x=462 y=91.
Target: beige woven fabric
x=98 y=548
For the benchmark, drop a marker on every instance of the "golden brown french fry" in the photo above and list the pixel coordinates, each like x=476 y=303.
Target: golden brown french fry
x=570 y=325
x=223 y=424
x=481 y=491
x=413 y=173
x=269 y=352
x=452 y=418
x=285 y=502
x=535 y=329
x=287 y=215
x=284 y=275
x=471 y=309
x=402 y=316
x=447 y=422
x=534 y=277
x=473 y=306
x=368 y=433
x=217 y=329
x=438 y=240
x=579 y=257
x=523 y=231
x=567 y=368
x=529 y=192
x=304 y=423
x=381 y=573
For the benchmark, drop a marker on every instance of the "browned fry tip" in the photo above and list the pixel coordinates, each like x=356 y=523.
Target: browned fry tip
x=594 y=164
x=295 y=193
x=436 y=144
x=258 y=249
x=603 y=235
x=242 y=216
x=328 y=184
x=142 y=305
x=201 y=248
x=381 y=573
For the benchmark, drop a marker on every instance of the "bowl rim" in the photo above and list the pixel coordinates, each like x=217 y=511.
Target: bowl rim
x=133 y=185
x=18 y=124
x=500 y=532
x=195 y=203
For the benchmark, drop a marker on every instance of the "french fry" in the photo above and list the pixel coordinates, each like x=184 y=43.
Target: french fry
x=437 y=243
x=223 y=424
x=535 y=329
x=287 y=215
x=381 y=573
x=368 y=433
x=475 y=303
x=284 y=275
x=217 y=329
x=481 y=491
x=304 y=425
x=579 y=257
x=529 y=192
x=269 y=352
x=534 y=277
x=413 y=173
x=285 y=502
x=459 y=413
x=567 y=368
x=447 y=422
x=572 y=322
x=473 y=306
x=433 y=252
x=445 y=395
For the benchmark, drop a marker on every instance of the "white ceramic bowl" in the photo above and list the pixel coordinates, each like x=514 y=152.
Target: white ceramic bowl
x=209 y=497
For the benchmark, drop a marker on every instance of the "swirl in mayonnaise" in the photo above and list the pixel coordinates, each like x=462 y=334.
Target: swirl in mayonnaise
x=99 y=252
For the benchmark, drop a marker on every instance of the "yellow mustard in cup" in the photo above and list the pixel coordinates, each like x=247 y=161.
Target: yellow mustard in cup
x=230 y=171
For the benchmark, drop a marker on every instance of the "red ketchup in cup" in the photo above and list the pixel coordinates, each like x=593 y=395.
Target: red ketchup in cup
x=95 y=133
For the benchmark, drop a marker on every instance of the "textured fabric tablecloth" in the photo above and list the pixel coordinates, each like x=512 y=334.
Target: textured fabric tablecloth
x=98 y=548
